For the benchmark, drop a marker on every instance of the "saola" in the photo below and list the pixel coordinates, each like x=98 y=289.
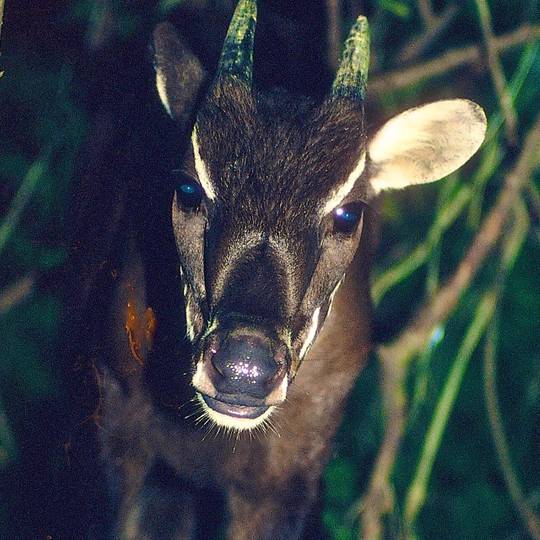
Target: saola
x=270 y=224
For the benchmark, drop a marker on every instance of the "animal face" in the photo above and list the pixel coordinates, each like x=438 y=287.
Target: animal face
x=269 y=208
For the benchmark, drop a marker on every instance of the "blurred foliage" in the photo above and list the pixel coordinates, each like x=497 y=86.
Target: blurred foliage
x=425 y=232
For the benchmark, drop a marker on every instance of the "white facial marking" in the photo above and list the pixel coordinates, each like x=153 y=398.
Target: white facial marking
x=211 y=328
x=189 y=323
x=200 y=167
x=231 y=422
x=331 y=301
x=161 y=88
x=198 y=376
x=338 y=195
x=311 y=333
x=282 y=390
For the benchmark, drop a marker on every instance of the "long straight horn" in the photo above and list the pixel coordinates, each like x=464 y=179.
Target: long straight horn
x=237 y=54
x=351 y=77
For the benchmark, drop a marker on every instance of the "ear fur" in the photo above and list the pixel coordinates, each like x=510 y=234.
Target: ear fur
x=425 y=144
x=179 y=74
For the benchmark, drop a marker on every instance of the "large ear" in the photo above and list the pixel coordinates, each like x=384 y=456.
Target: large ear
x=425 y=144
x=179 y=74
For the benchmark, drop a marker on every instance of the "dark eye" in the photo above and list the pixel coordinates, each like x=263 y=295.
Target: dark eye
x=189 y=193
x=346 y=218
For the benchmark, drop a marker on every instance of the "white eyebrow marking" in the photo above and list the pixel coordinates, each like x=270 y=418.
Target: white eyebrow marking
x=200 y=167
x=338 y=195
x=311 y=333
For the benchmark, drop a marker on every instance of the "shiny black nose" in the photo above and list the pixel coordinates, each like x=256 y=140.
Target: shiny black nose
x=245 y=365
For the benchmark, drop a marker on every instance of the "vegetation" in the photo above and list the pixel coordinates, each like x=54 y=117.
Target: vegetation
x=442 y=434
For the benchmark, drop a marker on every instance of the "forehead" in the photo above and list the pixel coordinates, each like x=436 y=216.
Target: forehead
x=270 y=149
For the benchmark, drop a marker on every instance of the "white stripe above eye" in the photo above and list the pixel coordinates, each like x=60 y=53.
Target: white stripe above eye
x=339 y=194
x=200 y=167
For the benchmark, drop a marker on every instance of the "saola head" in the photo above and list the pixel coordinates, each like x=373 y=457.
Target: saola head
x=269 y=206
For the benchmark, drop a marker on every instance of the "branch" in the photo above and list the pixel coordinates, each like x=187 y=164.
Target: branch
x=486 y=309
x=22 y=198
x=418 y=488
x=16 y=293
x=497 y=74
x=412 y=338
x=395 y=357
x=426 y=12
x=526 y=513
x=401 y=78
x=419 y=44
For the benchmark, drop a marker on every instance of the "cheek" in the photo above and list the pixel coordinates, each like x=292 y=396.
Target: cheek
x=189 y=238
x=331 y=268
x=194 y=317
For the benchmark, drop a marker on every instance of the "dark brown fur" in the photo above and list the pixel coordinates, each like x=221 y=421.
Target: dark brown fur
x=168 y=475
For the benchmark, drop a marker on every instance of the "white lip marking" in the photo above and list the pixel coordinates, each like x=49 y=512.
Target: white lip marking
x=231 y=422
x=311 y=333
x=200 y=167
x=345 y=188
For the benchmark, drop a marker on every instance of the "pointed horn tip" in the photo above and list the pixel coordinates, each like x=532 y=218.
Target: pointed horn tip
x=352 y=73
x=361 y=26
x=244 y=16
x=246 y=7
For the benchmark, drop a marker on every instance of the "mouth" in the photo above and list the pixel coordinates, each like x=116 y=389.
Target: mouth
x=237 y=411
x=240 y=417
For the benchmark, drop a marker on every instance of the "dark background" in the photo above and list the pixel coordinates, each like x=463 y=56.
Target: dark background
x=70 y=65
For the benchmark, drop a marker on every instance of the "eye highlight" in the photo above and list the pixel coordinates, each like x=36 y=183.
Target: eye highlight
x=347 y=217
x=189 y=193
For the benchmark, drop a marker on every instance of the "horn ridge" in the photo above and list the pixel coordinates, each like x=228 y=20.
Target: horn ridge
x=352 y=73
x=237 y=54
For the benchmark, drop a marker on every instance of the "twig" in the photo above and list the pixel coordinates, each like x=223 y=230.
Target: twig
x=525 y=511
x=426 y=12
x=16 y=293
x=497 y=74
x=402 y=78
x=512 y=243
x=396 y=356
x=520 y=75
x=383 y=283
x=534 y=198
x=102 y=25
x=8 y=448
x=1 y=17
x=531 y=521
x=333 y=33
x=417 y=491
x=419 y=45
x=416 y=334
x=22 y=198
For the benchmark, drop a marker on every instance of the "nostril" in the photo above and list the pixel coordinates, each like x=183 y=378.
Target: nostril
x=245 y=361
x=281 y=355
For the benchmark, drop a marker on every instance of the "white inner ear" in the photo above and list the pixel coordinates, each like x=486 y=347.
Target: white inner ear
x=161 y=81
x=426 y=143
x=339 y=194
x=201 y=169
